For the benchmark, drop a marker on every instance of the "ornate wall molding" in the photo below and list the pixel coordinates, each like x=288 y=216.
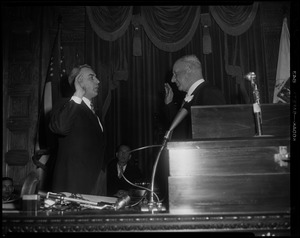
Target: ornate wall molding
x=259 y=224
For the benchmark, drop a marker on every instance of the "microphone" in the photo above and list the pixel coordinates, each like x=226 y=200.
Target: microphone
x=178 y=118
x=251 y=76
x=122 y=202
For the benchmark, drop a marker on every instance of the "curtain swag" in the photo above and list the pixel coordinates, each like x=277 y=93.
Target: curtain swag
x=234 y=20
x=108 y=22
x=170 y=28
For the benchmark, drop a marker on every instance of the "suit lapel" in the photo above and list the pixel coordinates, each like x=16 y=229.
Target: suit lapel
x=93 y=117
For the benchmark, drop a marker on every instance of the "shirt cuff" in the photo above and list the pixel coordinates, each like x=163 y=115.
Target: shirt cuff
x=78 y=100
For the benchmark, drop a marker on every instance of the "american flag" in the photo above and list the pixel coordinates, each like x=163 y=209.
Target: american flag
x=283 y=64
x=51 y=92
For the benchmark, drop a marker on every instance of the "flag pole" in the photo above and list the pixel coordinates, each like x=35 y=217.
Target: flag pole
x=38 y=151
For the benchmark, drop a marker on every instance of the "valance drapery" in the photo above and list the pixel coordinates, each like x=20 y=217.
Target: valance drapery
x=109 y=22
x=170 y=28
x=234 y=20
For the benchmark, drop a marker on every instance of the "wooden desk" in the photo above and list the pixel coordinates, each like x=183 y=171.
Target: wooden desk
x=229 y=175
x=231 y=121
x=219 y=175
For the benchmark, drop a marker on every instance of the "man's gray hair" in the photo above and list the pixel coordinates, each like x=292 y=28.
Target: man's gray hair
x=191 y=60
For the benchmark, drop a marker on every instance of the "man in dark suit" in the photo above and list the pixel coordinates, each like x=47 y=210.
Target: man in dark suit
x=116 y=184
x=79 y=164
x=187 y=75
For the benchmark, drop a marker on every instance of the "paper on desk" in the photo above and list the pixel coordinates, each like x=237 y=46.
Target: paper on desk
x=9 y=206
x=94 y=198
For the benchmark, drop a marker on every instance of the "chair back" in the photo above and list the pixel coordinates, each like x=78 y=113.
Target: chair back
x=30 y=185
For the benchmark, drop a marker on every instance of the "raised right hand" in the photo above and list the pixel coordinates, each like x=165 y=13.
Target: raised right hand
x=168 y=93
x=80 y=90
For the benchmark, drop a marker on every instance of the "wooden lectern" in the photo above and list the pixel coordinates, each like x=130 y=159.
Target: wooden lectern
x=226 y=169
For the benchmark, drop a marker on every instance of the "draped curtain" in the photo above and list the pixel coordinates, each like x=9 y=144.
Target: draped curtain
x=234 y=21
x=132 y=87
x=170 y=28
x=109 y=23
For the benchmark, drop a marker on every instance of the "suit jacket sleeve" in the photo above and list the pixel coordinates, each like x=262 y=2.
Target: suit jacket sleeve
x=63 y=117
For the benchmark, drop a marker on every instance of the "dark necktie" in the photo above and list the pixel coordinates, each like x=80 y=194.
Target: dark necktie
x=93 y=110
x=92 y=107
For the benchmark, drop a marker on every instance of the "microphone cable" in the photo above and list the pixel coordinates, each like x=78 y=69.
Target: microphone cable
x=147 y=189
x=144 y=147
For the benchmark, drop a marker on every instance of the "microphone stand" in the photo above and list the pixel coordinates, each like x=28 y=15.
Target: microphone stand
x=178 y=118
x=151 y=203
x=256 y=106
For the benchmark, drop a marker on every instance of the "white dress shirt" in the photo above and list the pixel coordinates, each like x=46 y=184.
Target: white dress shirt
x=121 y=169
x=194 y=86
